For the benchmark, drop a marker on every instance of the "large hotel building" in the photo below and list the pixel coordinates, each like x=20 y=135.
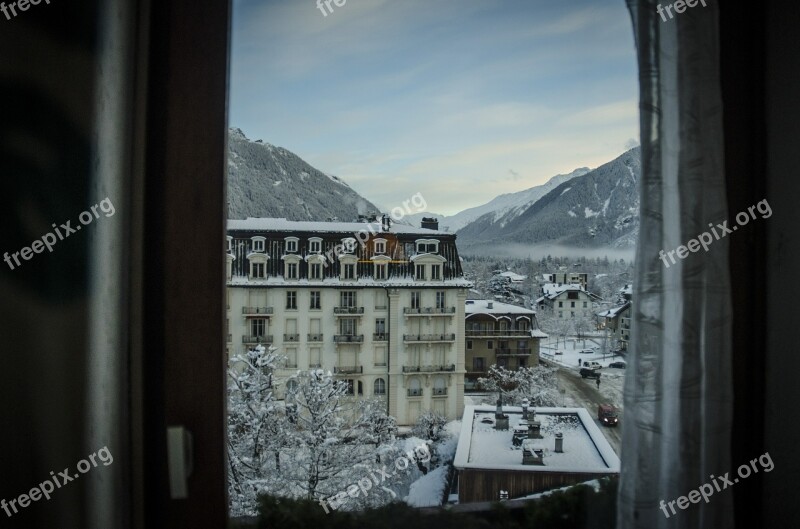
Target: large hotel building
x=378 y=304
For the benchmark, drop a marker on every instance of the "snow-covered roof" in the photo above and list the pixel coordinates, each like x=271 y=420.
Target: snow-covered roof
x=536 y=333
x=481 y=447
x=613 y=312
x=481 y=306
x=553 y=290
x=515 y=278
x=281 y=225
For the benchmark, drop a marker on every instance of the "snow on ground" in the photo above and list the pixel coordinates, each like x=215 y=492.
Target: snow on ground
x=427 y=491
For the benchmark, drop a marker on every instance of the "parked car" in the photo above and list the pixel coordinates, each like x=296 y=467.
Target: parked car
x=585 y=372
x=618 y=365
x=592 y=365
x=607 y=414
x=586 y=351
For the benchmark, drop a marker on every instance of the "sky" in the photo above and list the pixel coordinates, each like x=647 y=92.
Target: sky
x=459 y=100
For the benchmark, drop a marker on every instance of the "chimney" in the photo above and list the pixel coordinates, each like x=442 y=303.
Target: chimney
x=490 y=305
x=386 y=222
x=559 y=443
x=429 y=223
x=525 y=409
x=500 y=418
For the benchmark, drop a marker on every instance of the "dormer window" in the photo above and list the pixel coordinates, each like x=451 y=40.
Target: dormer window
x=436 y=272
x=291 y=244
x=380 y=246
x=258 y=244
x=315 y=245
x=419 y=273
x=380 y=271
x=258 y=265
x=291 y=266
x=427 y=246
x=348 y=245
x=348 y=267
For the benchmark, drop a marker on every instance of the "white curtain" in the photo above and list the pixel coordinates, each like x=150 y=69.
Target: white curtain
x=678 y=394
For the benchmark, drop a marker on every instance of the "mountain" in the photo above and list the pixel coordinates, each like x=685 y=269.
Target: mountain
x=503 y=208
x=269 y=181
x=597 y=208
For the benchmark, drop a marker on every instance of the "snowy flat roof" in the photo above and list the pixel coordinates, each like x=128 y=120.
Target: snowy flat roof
x=481 y=447
x=481 y=306
x=282 y=225
x=367 y=281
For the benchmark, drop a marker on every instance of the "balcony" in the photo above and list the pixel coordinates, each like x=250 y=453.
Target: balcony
x=429 y=369
x=291 y=337
x=429 y=311
x=380 y=337
x=439 y=392
x=512 y=352
x=256 y=311
x=499 y=333
x=429 y=338
x=348 y=370
x=248 y=339
x=315 y=337
x=348 y=338
x=314 y=366
x=348 y=311
x=415 y=392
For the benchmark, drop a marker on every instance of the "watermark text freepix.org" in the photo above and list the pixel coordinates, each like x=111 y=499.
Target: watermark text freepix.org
x=420 y=453
x=49 y=240
x=56 y=481
x=720 y=483
x=705 y=239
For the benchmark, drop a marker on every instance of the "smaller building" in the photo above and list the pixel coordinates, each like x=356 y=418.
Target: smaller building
x=567 y=301
x=523 y=451
x=616 y=321
x=567 y=278
x=499 y=334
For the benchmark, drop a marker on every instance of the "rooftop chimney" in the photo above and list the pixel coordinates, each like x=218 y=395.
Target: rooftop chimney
x=559 y=443
x=386 y=222
x=525 y=409
x=430 y=223
x=490 y=305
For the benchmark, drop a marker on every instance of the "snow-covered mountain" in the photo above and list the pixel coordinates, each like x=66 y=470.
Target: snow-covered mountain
x=503 y=208
x=269 y=181
x=596 y=208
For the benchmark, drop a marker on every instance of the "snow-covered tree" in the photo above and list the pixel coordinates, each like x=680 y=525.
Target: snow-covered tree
x=254 y=427
x=538 y=384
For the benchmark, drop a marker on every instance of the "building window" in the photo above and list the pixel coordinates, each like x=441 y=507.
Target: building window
x=258 y=327
x=414 y=387
x=502 y=361
x=560 y=313
x=350 y=385
x=349 y=271
x=560 y=304
x=258 y=270
x=477 y=364
x=469 y=345
x=380 y=325
x=572 y=304
x=380 y=271
x=523 y=362
x=316 y=299
x=380 y=387
x=347 y=326
x=291 y=299
x=440 y=299
x=380 y=246
x=347 y=298
x=436 y=271
x=258 y=244
x=420 y=272
x=291 y=270
x=415 y=300
x=316 y=271
x=489 y=344
x=584 y=304
x=349 y=245
x=291 y=244
x=315 y=245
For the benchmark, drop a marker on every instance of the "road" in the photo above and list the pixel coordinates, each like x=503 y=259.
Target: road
x=584 y=393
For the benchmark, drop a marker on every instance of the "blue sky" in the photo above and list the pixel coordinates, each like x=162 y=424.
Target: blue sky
x=461 y=100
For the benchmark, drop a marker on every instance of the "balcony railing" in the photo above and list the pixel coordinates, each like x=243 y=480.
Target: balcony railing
x=429 y=311
x=291 y=365
x=380 y=337
x=291 y=337
x=428 y=369
x=429 y=337
x=348 y=370
x=257 y=339
x=512 y=352
x=315 y=337
x=439 y=392
x=256 y=310
x=348 y=310
x=415 y=392
x=348 y=338
x=314 y=366
x=499 y=332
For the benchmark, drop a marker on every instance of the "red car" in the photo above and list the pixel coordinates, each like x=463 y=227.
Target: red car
x=607 y=414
